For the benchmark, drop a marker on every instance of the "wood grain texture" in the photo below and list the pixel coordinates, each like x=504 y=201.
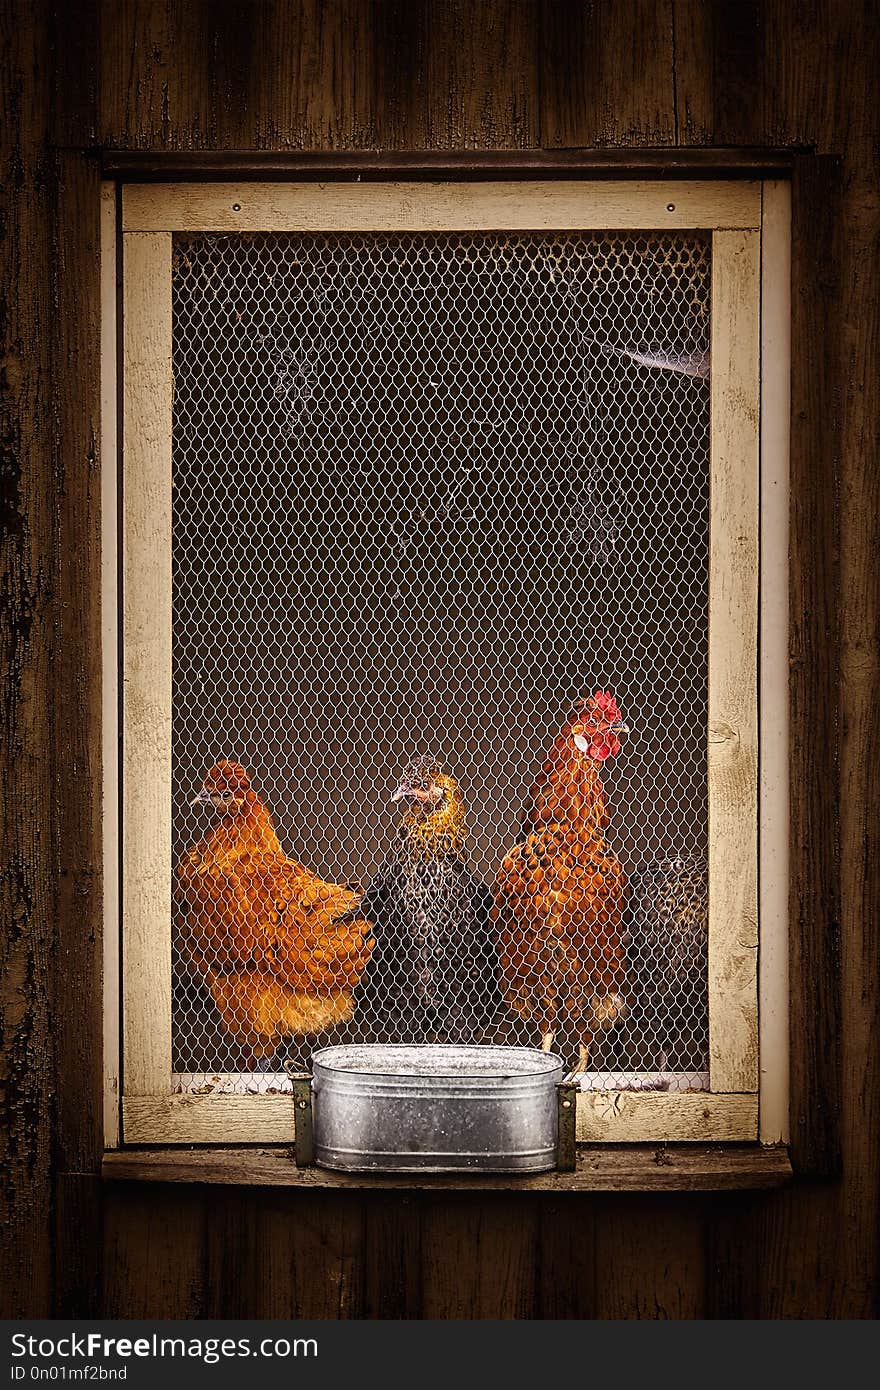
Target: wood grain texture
x=468 y=48
x=146 y=664
x=155 y=1118
x=77 y=680
x=733 y=669
x=650 y=1259
x=722 y=70
x=340 y=207
x=392 y=1256
x=323 y=74
x=608 y=73
x=567 y=1275
x=859 y=656
x=645 y=1116
x=600 y=1168
x=109 y=609
x=29 y=882
x=190 y=74
x=154 y=1262
x=479 y=1258
x=816 y=463
x=774 y=871
x=602 y=1116
x=431 y=166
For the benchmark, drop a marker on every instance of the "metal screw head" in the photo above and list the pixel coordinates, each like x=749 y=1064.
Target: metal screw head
x=236 y=207
x=670 y=207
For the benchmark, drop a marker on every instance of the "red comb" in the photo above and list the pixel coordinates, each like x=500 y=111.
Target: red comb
x=606 y=702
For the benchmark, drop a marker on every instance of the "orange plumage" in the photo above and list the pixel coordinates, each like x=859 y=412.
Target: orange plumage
x=279 y=949
x=559 y=892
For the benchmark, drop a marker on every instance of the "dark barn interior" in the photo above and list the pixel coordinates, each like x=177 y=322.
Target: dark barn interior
x=270 y=89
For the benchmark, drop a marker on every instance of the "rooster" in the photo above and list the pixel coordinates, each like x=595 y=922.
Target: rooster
x=279 y=949
x=559 y=892
x=434 y=968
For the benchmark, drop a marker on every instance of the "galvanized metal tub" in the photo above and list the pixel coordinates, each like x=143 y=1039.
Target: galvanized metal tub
x=435 y=1108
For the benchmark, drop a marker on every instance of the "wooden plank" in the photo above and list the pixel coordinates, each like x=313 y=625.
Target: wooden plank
x=518 y=206
x=467 y=46
x=568 y=1277
x=75 y=691
x=340 y=75
x=392 y=1256
x=154 y=78
x=642 y=1117
x=479 y=1259
x=693 y=73
x=315 y=69
x=724 y=70
x=28 y=611
x=154 y=1253
x=774 y=861
x=286 y=1255
x=327 y=1250
x=605 y=1168
x=607 y=74
x=326 y=166
x=146 y=825
x=233 y=1256
x=733 y=647
x=76 y=1241
x=602 y=1116
x=110 y=668
x=652 y=1259
x=857 y=1293
x=816 y=808
x=212 y=1119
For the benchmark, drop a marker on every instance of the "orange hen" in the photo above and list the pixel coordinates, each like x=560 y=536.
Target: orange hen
x=559 y=893
x=279 y=949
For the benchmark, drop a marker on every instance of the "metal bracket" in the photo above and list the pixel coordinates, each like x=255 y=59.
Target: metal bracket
x=566 y=1142
x=304 y=1139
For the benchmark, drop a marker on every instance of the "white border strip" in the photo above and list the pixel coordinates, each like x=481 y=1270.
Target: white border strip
x=774 y=672
x=110 y=676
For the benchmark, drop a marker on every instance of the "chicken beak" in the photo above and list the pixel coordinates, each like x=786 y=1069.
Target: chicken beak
x=619 y=729
x=403 y=791
x=204 y=798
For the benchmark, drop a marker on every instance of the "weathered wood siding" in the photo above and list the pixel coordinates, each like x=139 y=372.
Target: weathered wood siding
x=434 y=75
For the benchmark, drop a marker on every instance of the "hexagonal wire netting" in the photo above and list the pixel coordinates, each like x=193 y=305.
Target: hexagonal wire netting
x=429 y=491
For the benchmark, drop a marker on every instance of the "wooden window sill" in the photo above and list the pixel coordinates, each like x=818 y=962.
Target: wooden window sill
x=600 y=1168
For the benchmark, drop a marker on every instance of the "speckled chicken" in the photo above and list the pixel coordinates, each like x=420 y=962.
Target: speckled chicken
x=279 y=949
x=434 y=968
x=668 y=922
x=559 y=892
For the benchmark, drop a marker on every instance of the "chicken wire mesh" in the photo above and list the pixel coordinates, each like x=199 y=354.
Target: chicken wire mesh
x=430 y=491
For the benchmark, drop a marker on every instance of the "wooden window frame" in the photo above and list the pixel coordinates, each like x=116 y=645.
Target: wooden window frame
x=748 y=623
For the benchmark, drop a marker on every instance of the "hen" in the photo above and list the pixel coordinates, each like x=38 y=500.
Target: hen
x=559 y=893
x=279 y=949
x=668 y=920
x=434 y=968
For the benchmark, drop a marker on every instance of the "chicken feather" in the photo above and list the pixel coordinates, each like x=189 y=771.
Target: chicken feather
x=279 y=949
x=559 y=892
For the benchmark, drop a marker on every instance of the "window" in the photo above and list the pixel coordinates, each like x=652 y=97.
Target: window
x=450 y=492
